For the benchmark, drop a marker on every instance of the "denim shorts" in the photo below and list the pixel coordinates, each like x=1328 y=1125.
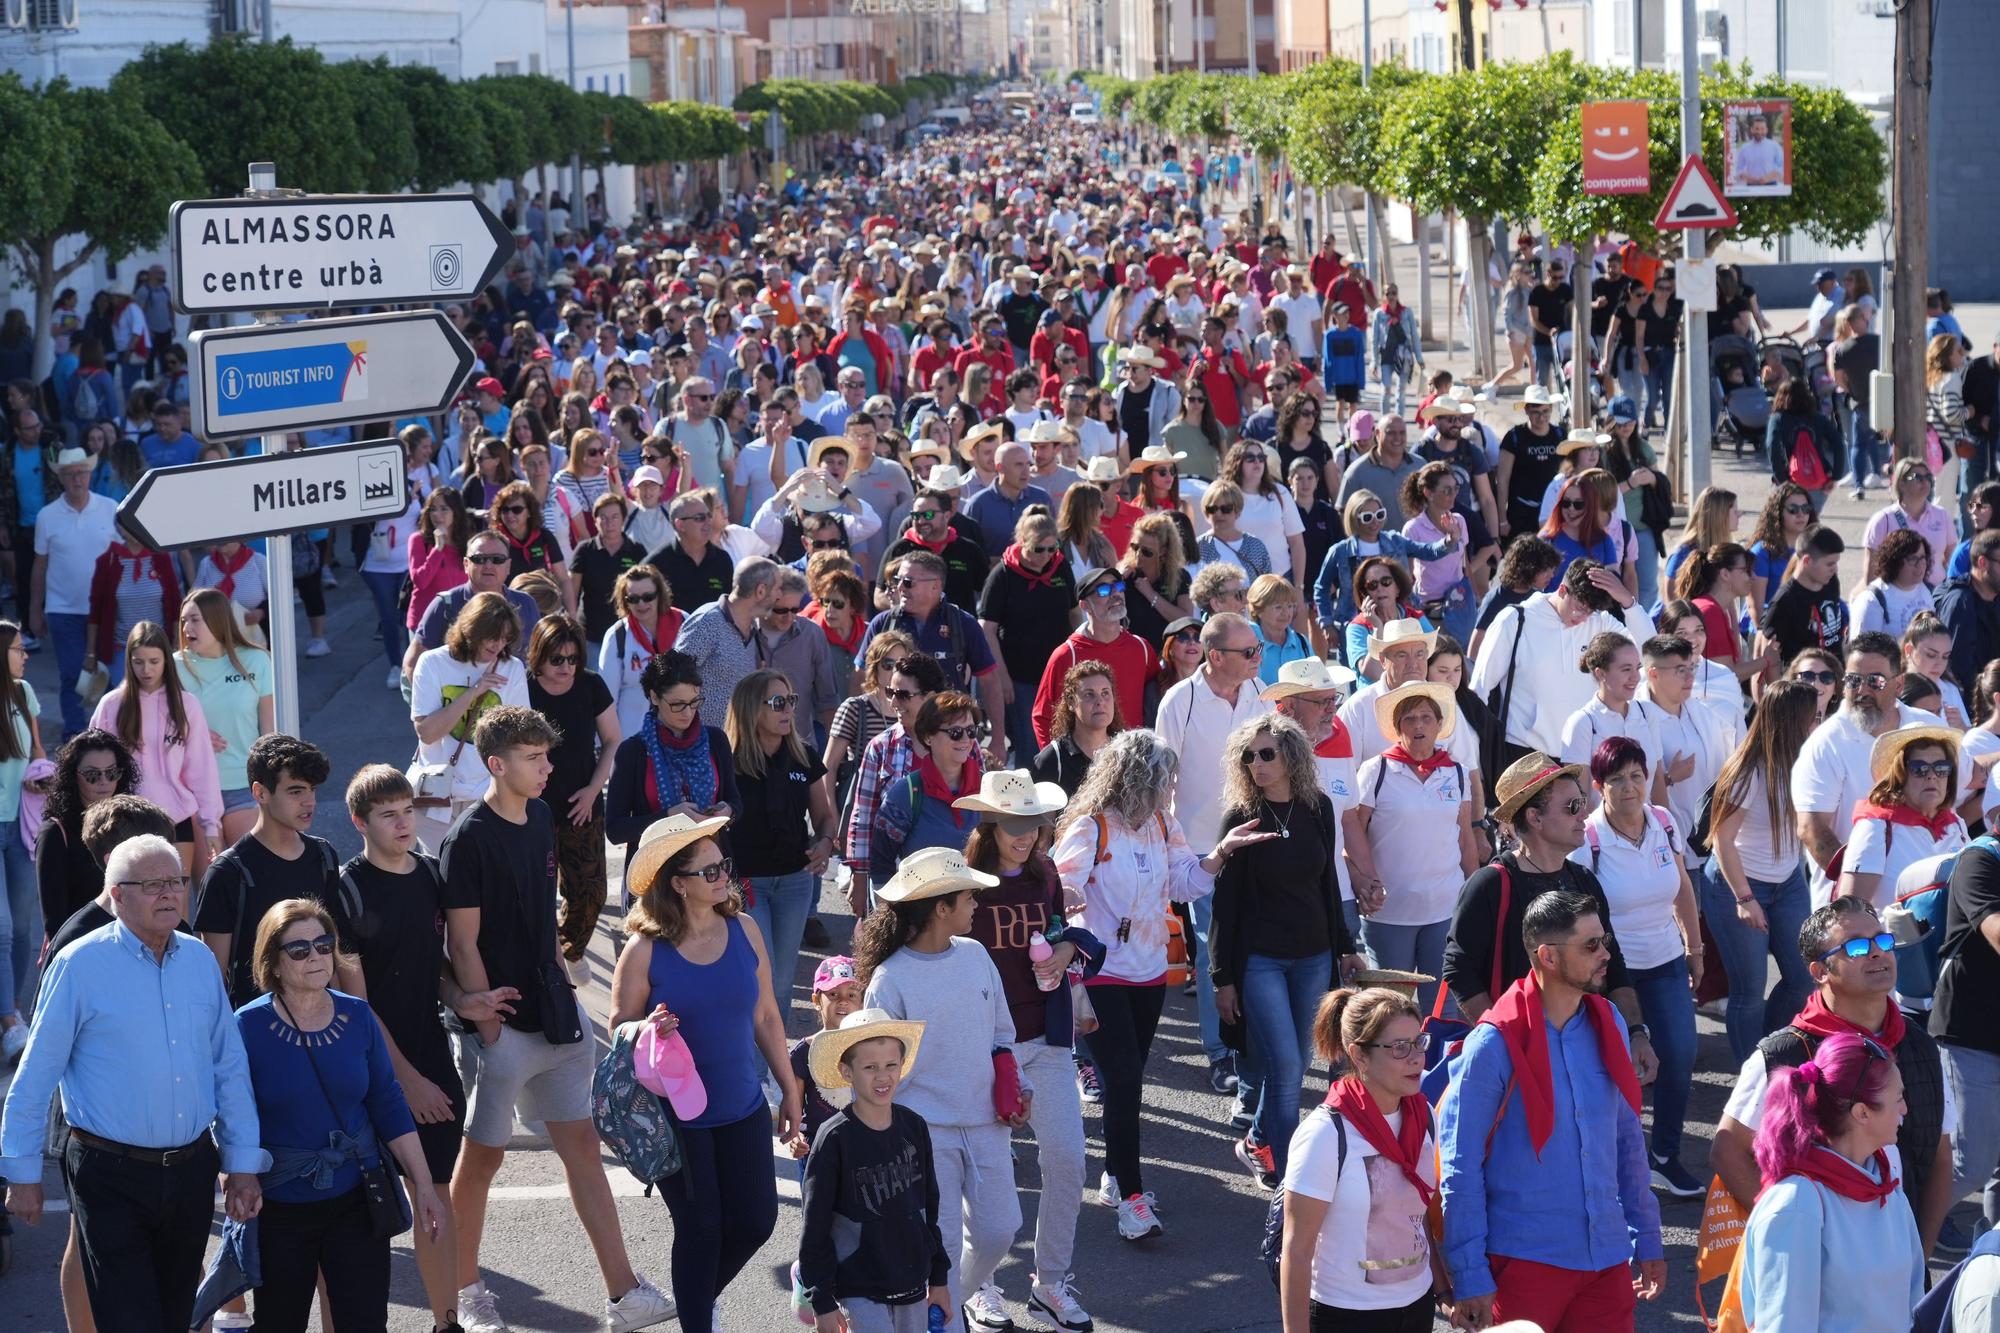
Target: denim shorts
x=237 y=798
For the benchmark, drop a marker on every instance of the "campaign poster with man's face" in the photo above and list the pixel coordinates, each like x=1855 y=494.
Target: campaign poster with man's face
x=1757 y=149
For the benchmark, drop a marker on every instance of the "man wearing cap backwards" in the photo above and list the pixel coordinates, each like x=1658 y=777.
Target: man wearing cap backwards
x=1194 y=720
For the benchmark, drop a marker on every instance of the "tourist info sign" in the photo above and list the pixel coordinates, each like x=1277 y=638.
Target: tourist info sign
x=262 y=495
x=324 y=372
x=313 y=252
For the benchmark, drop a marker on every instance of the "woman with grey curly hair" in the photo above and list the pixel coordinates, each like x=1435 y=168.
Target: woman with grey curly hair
x=1277 y=928
x=1125 y=859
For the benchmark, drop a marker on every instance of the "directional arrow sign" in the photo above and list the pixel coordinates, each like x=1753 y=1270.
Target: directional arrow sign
x=325 y=372
x=266 y=494
x=316 y=251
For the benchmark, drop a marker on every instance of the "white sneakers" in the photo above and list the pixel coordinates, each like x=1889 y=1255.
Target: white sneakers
x=1055 y=1305
x=13 y=1041
x=476 y=1311
x=987 y=1310
x=317 y=648
x=1135 y=1217
x=395 y=681
x=642 y=1307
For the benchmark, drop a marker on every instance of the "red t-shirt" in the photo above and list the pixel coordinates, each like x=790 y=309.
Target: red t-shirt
x=1162 y=267
x=1120 y=517
x=1133 y=666
x=1221 y=385
x=1721 y=633
x=928 y=362
x=1001 y=359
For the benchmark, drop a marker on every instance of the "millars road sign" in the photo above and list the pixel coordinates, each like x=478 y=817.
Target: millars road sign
x=311 y=252
x=263 y=495
x=324 y=372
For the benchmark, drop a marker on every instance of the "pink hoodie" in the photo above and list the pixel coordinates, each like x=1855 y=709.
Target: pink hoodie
x=180 y=779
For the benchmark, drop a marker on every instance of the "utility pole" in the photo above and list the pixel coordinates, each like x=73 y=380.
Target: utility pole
x=1468 y=50
x=1694 y=340
x=1368 y=196
x=578 y=214
x=1911 y=209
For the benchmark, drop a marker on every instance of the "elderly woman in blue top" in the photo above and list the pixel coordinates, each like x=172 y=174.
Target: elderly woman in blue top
x=135 y=1005
x=1366 y=518
x=328 y=1103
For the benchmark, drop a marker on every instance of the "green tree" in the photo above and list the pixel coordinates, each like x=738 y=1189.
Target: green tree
x=452 y=146
x=508 y=153
x=100 y=167
x=235 y=102
x=384 y=124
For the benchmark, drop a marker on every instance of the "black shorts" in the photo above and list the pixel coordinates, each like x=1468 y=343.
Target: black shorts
x=1347 y=393
x=440 y=1143
x=184 y=831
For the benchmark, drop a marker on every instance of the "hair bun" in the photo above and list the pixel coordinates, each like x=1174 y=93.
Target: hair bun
x=1809 y=1071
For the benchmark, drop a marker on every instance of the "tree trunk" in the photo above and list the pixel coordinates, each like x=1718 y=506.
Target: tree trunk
x=1423 y=222
x=1353 y=232
x=1579 y=352
x=1385 y=259
x=38 y=264
x=1478 y=242
x=542 y=183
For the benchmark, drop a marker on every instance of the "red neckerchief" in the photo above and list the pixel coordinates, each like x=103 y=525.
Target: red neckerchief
x=934 y=784
x=1339 y=743
x=1907 y=815
x=936 y=547
x=1423 y=768
x=139 y=556
x=526 y=549
x=1012 y=559
x=1846 y=1179
x=1524 y=1027
x=640 y=637
x=226 y=585
x=1822 y=1022
x=1404 y=1147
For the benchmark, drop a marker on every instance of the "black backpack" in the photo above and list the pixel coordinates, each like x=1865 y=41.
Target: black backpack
x=1272 y=1248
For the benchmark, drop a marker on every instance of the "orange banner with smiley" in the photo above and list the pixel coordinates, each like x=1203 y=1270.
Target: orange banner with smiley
x=1616 y=154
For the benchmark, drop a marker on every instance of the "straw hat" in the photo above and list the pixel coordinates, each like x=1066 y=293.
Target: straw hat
x=929 y=449
x=817 y=450
x=1046 y=432
x=1395 y=979
x=1581 y=438
x=814 y=496
x=1387 y=702
x=1537 y=396
x=70 y=458
x=1102 y=468
x=823 y=1056
x=1448 y=405
x=995 y=430
x=932 y=873
x=1012 y=793
x=660 y=841
x=1882 y=757
x=1401 y=630
x=1308 y=675
x=1155 y=455
x=1525 y=777
x=1142 y=356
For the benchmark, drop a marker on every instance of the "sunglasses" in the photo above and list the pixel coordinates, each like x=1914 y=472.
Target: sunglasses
x=1930 y=768
x=1572 y=505
x=641 y=598
x=486 y=559
x=97 y=775
x=1798 y=509
x=1106 y=589
x=1372 y=516
x=1263 y=754
x=781 y=703
x=1859 y=947
x=699 y=397
x=828 y=544
x=566 y=660
x=1814 y=677
x=783 y=611
x=1379 y=585
x=513 y=509
x=1250 y=654
x=1874 y=680
x=903 y=696
x=965 y=733
x=712 y=872
x=300 y=950
x=924 y=515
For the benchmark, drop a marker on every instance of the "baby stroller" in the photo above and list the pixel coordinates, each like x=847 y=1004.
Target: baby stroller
x=1795 y=361
x=1736 y=383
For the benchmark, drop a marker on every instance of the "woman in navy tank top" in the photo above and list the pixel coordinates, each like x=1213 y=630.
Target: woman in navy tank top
x=697 y=964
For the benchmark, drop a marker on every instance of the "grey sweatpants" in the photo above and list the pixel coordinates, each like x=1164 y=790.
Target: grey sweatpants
x=866 y=1316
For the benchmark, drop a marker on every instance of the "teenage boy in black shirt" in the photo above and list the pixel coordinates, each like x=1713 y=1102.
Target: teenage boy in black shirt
x=277 y=859
x=1807 y=611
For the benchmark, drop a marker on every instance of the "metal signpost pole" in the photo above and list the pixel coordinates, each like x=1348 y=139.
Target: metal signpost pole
x=278 y=550
x=1694 y=348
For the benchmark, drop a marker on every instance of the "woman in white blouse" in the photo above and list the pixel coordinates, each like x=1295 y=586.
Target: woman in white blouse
x=1634 y=850
x=1613 y=661
x=1909 y=815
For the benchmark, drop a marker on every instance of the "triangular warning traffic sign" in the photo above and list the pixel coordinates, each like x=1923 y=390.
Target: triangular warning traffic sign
x=1695 y=200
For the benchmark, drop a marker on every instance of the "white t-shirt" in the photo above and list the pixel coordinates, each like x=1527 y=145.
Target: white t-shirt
x=1300 y=312
x=1832 y=774
x=1877 y=847
x=1336 y=779
x=1595 y=723
x=1271 y=519
x=1702 y=731
x=389 y=542
x=1093 y=440
x=1746 y=1102
x=1375 y=1216
x=72 y=541
x=1883 y=606
x=1413 y=834
x=1641 y=881
x=439 y=679
x=1769 y=854
x=1980 y=742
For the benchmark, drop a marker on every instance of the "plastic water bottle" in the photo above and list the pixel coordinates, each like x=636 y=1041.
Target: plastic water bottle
x=936 y=1323
x=1040 y=951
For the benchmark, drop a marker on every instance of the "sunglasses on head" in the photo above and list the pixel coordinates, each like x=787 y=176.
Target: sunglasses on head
x=712 y=872
x=300 y=950
x=1860 y=946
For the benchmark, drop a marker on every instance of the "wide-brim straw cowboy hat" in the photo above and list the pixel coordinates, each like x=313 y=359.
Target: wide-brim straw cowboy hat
x=814 y=496
x=945 y=477
x=1013 y=793
x=1581 y=438
x=1047 y=432
x=1882 y=755
x=1307 y=675
x=1102 y=468
x=1395 y=979
x=1155 y=455
x=932 y=873
x=661 y=840
x=1142 y=356
x=819 y=448
x=993 y=430
x=823 y=1056
x=1403 y=629
x=1527 y=776
x=1387 y=702
x=1537 y=396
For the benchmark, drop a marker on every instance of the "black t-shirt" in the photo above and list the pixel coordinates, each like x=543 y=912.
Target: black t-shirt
x=597 y=570
x=1498 y=598
x=1535 y=466
x=1476 y=931
x=1857 y=358
x=692 y=584
x=964 y=561
x=1968 y=990
x=1551 y=306
x=1134 y=417
x=398 y=934
x=1142 y=619
x=1601 y=288
x=1659 y=329
x=508 y=872
x=1722 y=319
x=1314 y=448
x=1033 y=617
x=573 y=714
x=225 y=907
x=877 y=1190
x=1799 y=618
x=84 y=920
x=775 y=806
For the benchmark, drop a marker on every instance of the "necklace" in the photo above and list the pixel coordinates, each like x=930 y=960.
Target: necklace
x=1283 y=822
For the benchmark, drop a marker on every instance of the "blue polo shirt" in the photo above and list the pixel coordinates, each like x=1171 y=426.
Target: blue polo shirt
x=950 y=635
x=996 y=515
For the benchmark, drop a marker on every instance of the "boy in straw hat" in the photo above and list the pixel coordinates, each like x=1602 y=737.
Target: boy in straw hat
x=870 y=1247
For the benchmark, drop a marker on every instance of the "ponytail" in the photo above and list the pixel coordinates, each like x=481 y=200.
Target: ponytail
x=1807 y=1107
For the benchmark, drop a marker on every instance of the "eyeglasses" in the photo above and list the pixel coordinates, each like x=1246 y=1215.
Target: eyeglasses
x=641 y=598
x=97 y=775
x=486 y=560
x=1814 y=677
x=691 y=518
x=1250 y=654
x=511 y=510
x=965 y=733
x=1402 y=1048
x=1930 y=768
x=1874 y=680
x=156 y=888
x=710 y=873
x=1263 y=754
x=300 y=950
x=782 y=611
x=1106 y=589
x=1859 y=946
x=566 y=660
x=781 y=703
x=1372 y=516
x=686 y=705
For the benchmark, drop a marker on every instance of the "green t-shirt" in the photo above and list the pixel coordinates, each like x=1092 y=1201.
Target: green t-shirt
x=13 y=770
x=229 y=699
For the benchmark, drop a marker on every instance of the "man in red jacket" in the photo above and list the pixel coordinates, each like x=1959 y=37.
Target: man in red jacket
x=1102 y=638
x=989 y=344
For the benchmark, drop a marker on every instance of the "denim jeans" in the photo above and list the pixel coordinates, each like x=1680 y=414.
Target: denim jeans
x=1975 y=1148
x=1659 y=384
x=783 y=904
x=1786 y=905
x=1393 y=382
x=1020 y=724
x=1648 y=564
x=1410 y=949
x=67 y=631
x=20 y=921
x=1544 y=355
x=1250 y=1066
x=1666 y=1002
x=1279 y=998
x=1864 y=449
x=384 y=584
x=1203 y=910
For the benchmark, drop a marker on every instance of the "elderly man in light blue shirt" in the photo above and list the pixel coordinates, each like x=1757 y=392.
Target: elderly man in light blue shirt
x=134 y=1028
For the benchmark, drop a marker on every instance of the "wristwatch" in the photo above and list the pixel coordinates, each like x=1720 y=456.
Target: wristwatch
x=1639 y=1030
